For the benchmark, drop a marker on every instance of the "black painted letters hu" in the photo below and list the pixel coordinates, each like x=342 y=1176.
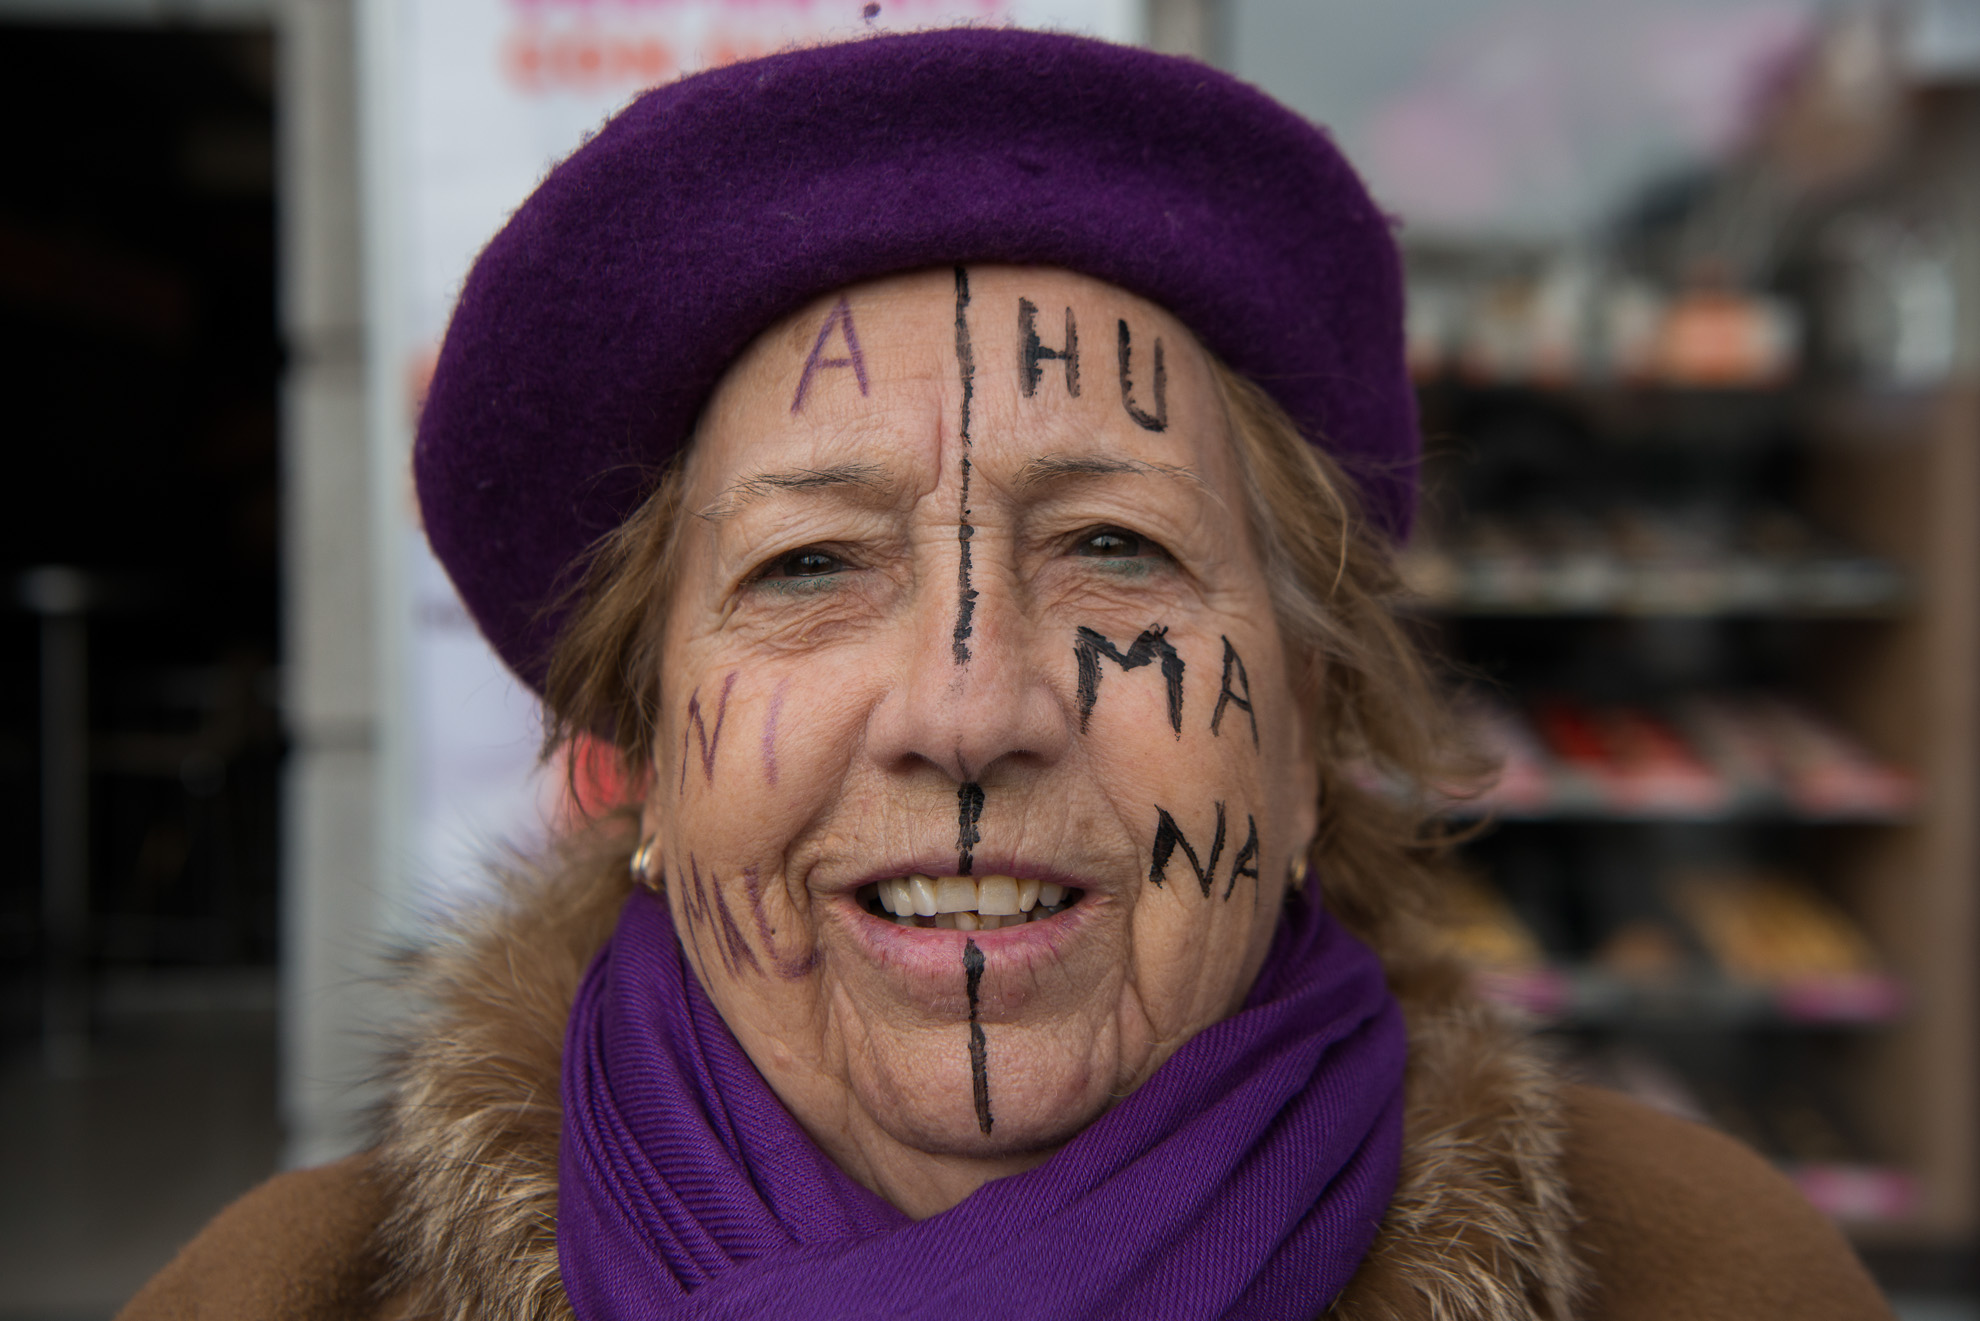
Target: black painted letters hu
x=1031 y=352
x=1159 y=420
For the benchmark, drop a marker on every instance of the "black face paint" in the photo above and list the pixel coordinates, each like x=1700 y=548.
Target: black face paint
x=1229 y=697
x=1160 y=420
x=1031 y=352
x=1169 y=836
x=969 y=810
x=979 y=1074
x=966 y=364
x=1246 y=862
x=1089 y=647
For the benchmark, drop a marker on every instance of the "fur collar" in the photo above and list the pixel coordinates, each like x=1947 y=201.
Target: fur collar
x=1479 y=1227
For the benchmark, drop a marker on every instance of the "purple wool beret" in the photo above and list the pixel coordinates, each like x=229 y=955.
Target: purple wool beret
x=595 y=325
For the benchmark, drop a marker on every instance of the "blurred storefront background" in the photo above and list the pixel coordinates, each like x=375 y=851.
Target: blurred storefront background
x=1695 y=315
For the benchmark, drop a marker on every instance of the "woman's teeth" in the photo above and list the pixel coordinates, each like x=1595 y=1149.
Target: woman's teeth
x=966 y=903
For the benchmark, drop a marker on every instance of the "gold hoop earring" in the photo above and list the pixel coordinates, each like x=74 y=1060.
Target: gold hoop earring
x=642 y=863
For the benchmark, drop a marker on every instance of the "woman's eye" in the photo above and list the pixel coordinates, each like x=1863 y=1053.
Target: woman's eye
x=1110 y=544
x=810 y=562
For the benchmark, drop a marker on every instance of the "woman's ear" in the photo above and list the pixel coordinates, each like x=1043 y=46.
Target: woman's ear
x=645 y=790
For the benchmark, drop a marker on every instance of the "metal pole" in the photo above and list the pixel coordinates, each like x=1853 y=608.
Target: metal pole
x=60 y=597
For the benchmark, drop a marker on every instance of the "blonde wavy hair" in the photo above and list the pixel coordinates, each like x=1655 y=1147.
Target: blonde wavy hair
x=1386 y=745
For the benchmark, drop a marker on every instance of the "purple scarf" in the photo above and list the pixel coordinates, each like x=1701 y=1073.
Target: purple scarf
x=1245 y=1178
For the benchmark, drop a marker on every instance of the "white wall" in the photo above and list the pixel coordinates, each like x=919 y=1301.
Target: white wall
x=332 y=880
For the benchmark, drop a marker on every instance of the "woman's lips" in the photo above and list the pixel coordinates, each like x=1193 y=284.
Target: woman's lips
x=923 y=956
x=966 y=903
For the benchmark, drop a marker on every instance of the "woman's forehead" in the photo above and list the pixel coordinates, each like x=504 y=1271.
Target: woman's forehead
x=1000 y=361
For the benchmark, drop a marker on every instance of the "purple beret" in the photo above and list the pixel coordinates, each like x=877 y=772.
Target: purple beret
x=597 y=322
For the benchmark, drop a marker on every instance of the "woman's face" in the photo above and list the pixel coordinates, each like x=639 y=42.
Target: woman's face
x=968 y=618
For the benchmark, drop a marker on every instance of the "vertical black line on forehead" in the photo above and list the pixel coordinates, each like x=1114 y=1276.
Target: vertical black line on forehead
x=965 y=354
x=966 y=366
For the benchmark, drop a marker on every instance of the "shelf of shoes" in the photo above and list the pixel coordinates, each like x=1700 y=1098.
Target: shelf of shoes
x=1647 y=562
x=1737 y=949
x=1708 y=756
x=1568 y=323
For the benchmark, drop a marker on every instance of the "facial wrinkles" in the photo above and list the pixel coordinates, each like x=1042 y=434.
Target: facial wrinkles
x=831 y=737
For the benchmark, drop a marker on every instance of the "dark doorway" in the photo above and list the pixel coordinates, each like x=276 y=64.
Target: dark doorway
x=140 y=359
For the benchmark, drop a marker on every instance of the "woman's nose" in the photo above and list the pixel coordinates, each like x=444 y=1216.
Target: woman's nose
x=977 y=693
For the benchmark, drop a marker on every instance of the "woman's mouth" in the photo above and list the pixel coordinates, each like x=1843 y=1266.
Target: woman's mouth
x=966 y=903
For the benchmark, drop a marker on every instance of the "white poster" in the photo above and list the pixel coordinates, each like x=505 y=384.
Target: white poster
x=467 y=104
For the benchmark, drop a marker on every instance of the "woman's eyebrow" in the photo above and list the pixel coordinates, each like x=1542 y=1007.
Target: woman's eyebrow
x=1058 y=467
x=869 y=477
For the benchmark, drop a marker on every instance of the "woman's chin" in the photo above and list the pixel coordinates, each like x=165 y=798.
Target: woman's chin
x=1026 y=1099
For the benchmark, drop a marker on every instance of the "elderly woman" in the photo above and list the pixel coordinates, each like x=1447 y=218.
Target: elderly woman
x=952 y=473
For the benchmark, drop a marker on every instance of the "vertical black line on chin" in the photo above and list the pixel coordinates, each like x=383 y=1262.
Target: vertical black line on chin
x=979 y=1065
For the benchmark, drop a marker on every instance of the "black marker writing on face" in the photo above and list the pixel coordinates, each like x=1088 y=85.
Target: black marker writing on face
x=841 y=316
x=1159 y=420
x=979 y=1064
x=1089 y=647
x=1169 y=837
x=1229 y=697
x=1031 y=352
x=699 y=728
x=969 y=811
x=1246 y=862
x=966 y=365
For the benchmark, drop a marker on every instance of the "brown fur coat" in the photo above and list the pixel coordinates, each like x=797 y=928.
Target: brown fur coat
x=1520 y=1200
